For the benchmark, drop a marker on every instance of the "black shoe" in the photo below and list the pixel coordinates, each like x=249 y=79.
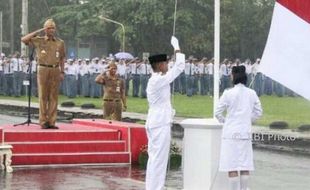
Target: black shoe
x=45 y=126
x=53 y=127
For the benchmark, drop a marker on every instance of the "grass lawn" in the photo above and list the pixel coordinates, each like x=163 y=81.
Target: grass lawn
x=295 y=111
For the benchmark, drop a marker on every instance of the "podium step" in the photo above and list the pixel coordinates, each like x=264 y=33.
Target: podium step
x=91 y=142
x=68 y=146
x=71 y=158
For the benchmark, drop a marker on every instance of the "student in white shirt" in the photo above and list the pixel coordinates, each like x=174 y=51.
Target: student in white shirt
x=202 y=76
x=160 y=115
x=34 y=84
x=85 y=75
x=258 y=78
x=144 y=70
x=95 y=69
x=8 y=77
x=71 y=76
x=79 y=67
x=1 y=76
x=242 y=107
x=128 y=76
x=121 y=68
x=17 y=64
x=135 y=77
x=210 y=70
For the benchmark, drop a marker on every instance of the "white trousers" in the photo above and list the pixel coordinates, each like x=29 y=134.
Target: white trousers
x=158 y=151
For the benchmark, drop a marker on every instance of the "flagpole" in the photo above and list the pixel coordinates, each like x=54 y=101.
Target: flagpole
x=175 y=16
x=216 y=54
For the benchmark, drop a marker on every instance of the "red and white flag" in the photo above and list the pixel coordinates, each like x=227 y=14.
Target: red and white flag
x=286 y=57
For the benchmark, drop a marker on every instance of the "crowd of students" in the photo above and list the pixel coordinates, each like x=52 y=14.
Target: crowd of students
x=80 y=74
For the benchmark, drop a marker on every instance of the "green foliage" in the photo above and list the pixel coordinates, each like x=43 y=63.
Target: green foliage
x=245 y=25
x=175 y=161
x=78 y=20
x=149 y=24
x=175 y=156
x=142 y=160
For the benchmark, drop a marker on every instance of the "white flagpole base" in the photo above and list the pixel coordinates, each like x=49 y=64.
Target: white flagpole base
x=201 y=151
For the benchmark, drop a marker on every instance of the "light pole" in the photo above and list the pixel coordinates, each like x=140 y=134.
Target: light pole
x=1 y=29
x=24 y=26
x=123 y=28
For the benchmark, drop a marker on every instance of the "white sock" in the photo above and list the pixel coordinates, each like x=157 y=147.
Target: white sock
x=234 y=183
x=244 y=182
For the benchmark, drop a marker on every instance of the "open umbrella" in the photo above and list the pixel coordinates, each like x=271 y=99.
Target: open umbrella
x=123 y=55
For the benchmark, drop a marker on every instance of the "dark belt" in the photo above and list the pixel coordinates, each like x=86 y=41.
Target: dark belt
x=111 y=100
x=50 y=66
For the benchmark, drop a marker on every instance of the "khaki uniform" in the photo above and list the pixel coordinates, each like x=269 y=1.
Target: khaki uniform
x=50 y=54
x=113 y=98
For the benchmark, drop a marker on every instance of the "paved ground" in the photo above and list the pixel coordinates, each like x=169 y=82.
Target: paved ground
x=72 y=178
x=81 y=178
x=274 y=170
x=78 y=177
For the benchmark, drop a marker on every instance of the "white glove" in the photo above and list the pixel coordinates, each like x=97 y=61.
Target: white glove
x=175 y=43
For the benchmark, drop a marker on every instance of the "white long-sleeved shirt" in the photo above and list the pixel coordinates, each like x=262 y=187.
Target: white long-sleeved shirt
x=248 y=68
x=71 y=69
x=8 y=67
x=210 y=68
x=243 y=107
x=255 y=68
x=17 y=64
x=121 y=69
x=190 y=69
x=84 y=70
x=144 y=69
x=1 y=65
x=134 y=68
x=224 y=70
x=34 y=66
x=160 y=111
x=201 y=68
x=95 y=68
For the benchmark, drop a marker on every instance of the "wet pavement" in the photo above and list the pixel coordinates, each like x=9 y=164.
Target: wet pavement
x=77 y=177
x=81 y=178
x=274 y=170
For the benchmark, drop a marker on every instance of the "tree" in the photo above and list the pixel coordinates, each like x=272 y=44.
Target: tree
x=244 y=27
x=149 y=24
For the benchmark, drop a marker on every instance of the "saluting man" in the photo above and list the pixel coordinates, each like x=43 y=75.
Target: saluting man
x=160 y=115
x=114 y=99
x=50 y=53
